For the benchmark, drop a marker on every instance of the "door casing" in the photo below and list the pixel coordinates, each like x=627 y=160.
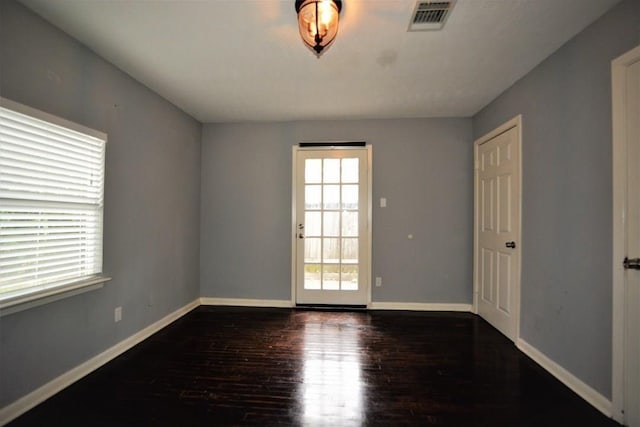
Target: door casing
x=294 y=220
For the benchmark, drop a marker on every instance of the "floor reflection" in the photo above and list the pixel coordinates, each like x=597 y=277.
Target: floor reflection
x=332 y=388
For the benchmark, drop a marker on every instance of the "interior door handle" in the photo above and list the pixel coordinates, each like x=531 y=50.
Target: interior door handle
x=300 y=236
x=631 y=264
x=511 y=245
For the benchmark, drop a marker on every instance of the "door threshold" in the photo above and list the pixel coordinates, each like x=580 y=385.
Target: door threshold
x=332 y=307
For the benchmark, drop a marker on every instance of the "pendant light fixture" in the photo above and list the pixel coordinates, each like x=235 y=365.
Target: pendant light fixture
x=318 y=22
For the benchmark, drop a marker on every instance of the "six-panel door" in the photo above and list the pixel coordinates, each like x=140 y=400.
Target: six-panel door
x=498 y=223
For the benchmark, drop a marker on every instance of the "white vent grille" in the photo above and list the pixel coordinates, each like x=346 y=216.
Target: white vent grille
x=430 y=15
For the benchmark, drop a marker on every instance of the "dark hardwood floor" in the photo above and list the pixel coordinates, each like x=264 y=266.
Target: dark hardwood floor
x=250 y=366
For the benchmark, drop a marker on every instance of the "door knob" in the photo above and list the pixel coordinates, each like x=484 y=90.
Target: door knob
x=631 y=264
x=300 y=236
x=511 y=245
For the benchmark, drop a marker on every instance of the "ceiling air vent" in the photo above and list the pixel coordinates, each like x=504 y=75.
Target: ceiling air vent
x=430 y=15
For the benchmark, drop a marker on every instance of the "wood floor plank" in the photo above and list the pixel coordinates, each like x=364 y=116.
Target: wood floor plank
x=220 y=366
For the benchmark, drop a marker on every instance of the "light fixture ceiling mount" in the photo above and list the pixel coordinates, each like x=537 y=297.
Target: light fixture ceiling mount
x=318 y=22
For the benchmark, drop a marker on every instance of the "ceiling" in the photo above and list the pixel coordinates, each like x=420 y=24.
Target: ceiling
x=243 y=60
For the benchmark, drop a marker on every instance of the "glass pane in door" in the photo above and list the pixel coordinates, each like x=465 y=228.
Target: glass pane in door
x=331 y=215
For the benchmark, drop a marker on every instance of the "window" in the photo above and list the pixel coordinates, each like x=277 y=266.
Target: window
x=51 y=204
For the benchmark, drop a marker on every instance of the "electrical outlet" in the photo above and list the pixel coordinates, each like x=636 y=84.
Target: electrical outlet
x=117 y=314
x=378 y=282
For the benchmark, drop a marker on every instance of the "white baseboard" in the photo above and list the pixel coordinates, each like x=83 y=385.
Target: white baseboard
x=245 y=302
x=597 y=400
x=418 y=306
x=22 y=405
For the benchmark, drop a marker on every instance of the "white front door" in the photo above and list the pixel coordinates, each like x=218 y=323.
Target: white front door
x=331 y=222
x=497 y=228
x=626 y=292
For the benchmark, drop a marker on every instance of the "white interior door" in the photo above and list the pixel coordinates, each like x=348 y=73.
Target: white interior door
x=497 y=228
x=626 y=238
x=632 y=309
x=626 y=215
x=331 y=223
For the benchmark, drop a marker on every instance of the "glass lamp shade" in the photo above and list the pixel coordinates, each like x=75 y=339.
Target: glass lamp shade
x=318 y=22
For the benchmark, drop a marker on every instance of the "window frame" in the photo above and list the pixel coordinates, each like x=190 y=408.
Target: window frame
x=45 y=293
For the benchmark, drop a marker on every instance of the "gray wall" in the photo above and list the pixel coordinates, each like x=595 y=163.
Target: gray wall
x=566 y=245
x=154 y=189
x=152 y=196
x=423 y=167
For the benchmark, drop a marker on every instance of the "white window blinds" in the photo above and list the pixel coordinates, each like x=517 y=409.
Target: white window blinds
x=51 y=201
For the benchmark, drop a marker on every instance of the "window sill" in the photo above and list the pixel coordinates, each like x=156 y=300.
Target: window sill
x=10 y=304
